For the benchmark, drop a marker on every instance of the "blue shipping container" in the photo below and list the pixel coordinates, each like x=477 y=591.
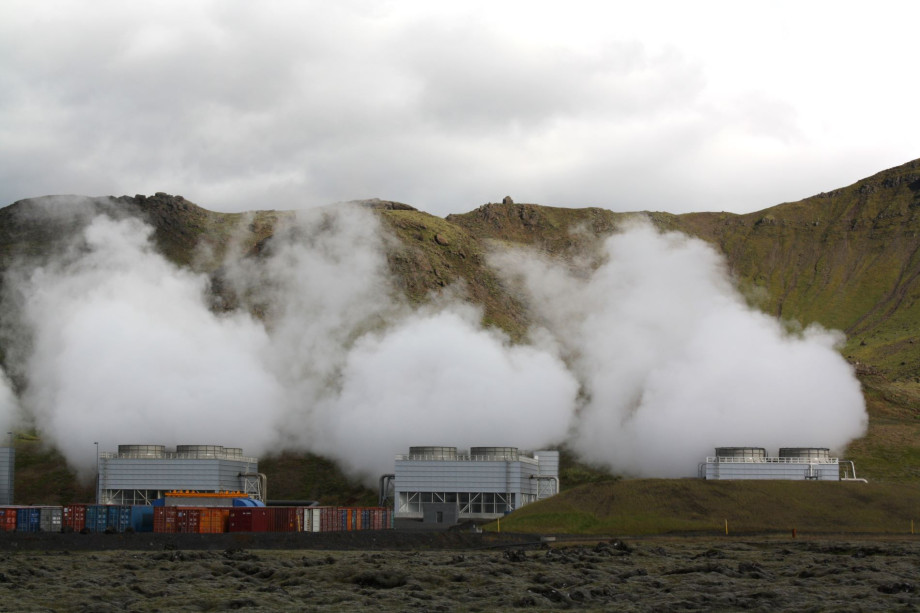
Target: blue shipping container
x=96 y=517
x=28 y=519
x=118 y=518
x=142 y=518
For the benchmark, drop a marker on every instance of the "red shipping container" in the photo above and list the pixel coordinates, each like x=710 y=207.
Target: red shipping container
x=282 y=519
x=188 y=519
x=164 y=519
x=376 y=519
x=248 y=519
x=240 y=520
x=8 y=519
x=330 y=519
x=73 y=517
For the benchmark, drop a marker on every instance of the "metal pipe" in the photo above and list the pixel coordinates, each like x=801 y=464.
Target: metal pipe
x=384 y=488
x=853 y=478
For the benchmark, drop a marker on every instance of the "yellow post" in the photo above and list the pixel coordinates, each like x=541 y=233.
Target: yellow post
x=911 y=526
x=499 y=524
x=726 y=527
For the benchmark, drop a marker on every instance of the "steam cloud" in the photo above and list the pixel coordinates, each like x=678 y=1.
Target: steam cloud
x=644 y=364
x=8 y=405
x=673 y=362
x=123 y=348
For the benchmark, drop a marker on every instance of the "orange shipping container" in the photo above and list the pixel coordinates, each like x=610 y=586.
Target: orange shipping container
x=214 y=520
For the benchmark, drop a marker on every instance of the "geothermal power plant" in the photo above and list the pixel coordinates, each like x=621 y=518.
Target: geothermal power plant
x=791 y=463
x=216 y=489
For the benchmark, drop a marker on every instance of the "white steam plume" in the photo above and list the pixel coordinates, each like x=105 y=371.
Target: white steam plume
x=9 y=410
x=440 y=379
x=673 y=362
x=367 y=376
x=124 y=350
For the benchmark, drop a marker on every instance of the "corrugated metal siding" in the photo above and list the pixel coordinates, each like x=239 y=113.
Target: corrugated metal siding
x=28 y=519
x=514 y=480
x=460 y=476
x=74 y=517
x=7 y=476
x=7 y=519
x=168 y=474
x=549 y=463
x=51 y=519
x=772 y=470
x=142 y=518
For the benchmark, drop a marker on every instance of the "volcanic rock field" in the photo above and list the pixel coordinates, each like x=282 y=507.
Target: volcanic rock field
x=473 y=574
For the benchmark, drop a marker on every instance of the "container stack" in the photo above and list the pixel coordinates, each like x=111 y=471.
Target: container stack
x=197 y=520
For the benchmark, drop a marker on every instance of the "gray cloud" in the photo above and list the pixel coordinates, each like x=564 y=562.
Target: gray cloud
x=289 y=105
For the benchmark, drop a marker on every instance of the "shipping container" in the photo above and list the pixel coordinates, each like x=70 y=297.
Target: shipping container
x=118 y=518
x=188 y=519
x=312 y=519
x=164 y=519
x=8 y=519
x=333 y=519
x=73 y=517
x=214 y=520
x=284 y=519
x=96 y=517
x=142 y=518
x=51 y=519
x=28 y=519
x=248 y=519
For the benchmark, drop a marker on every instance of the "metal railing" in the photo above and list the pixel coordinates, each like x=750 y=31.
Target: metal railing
x=465 y=457
x=766 y=460
x=173 y=455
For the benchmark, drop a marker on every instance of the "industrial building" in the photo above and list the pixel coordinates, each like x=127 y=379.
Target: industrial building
x=792 y=463
x=439 y=485
x=140 y=474
x=7 y=474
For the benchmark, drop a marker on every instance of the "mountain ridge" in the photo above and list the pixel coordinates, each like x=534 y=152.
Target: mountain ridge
x=847 y=259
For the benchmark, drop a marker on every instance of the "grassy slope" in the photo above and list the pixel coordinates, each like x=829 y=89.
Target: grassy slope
x=848 y=259
x=660 y=506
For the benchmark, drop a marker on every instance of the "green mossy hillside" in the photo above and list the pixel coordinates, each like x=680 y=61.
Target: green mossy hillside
x=662 y=506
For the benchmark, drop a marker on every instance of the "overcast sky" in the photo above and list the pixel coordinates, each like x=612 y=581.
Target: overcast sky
x=676 y=106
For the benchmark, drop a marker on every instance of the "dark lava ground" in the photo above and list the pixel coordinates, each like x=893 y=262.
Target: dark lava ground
x=468 y=573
